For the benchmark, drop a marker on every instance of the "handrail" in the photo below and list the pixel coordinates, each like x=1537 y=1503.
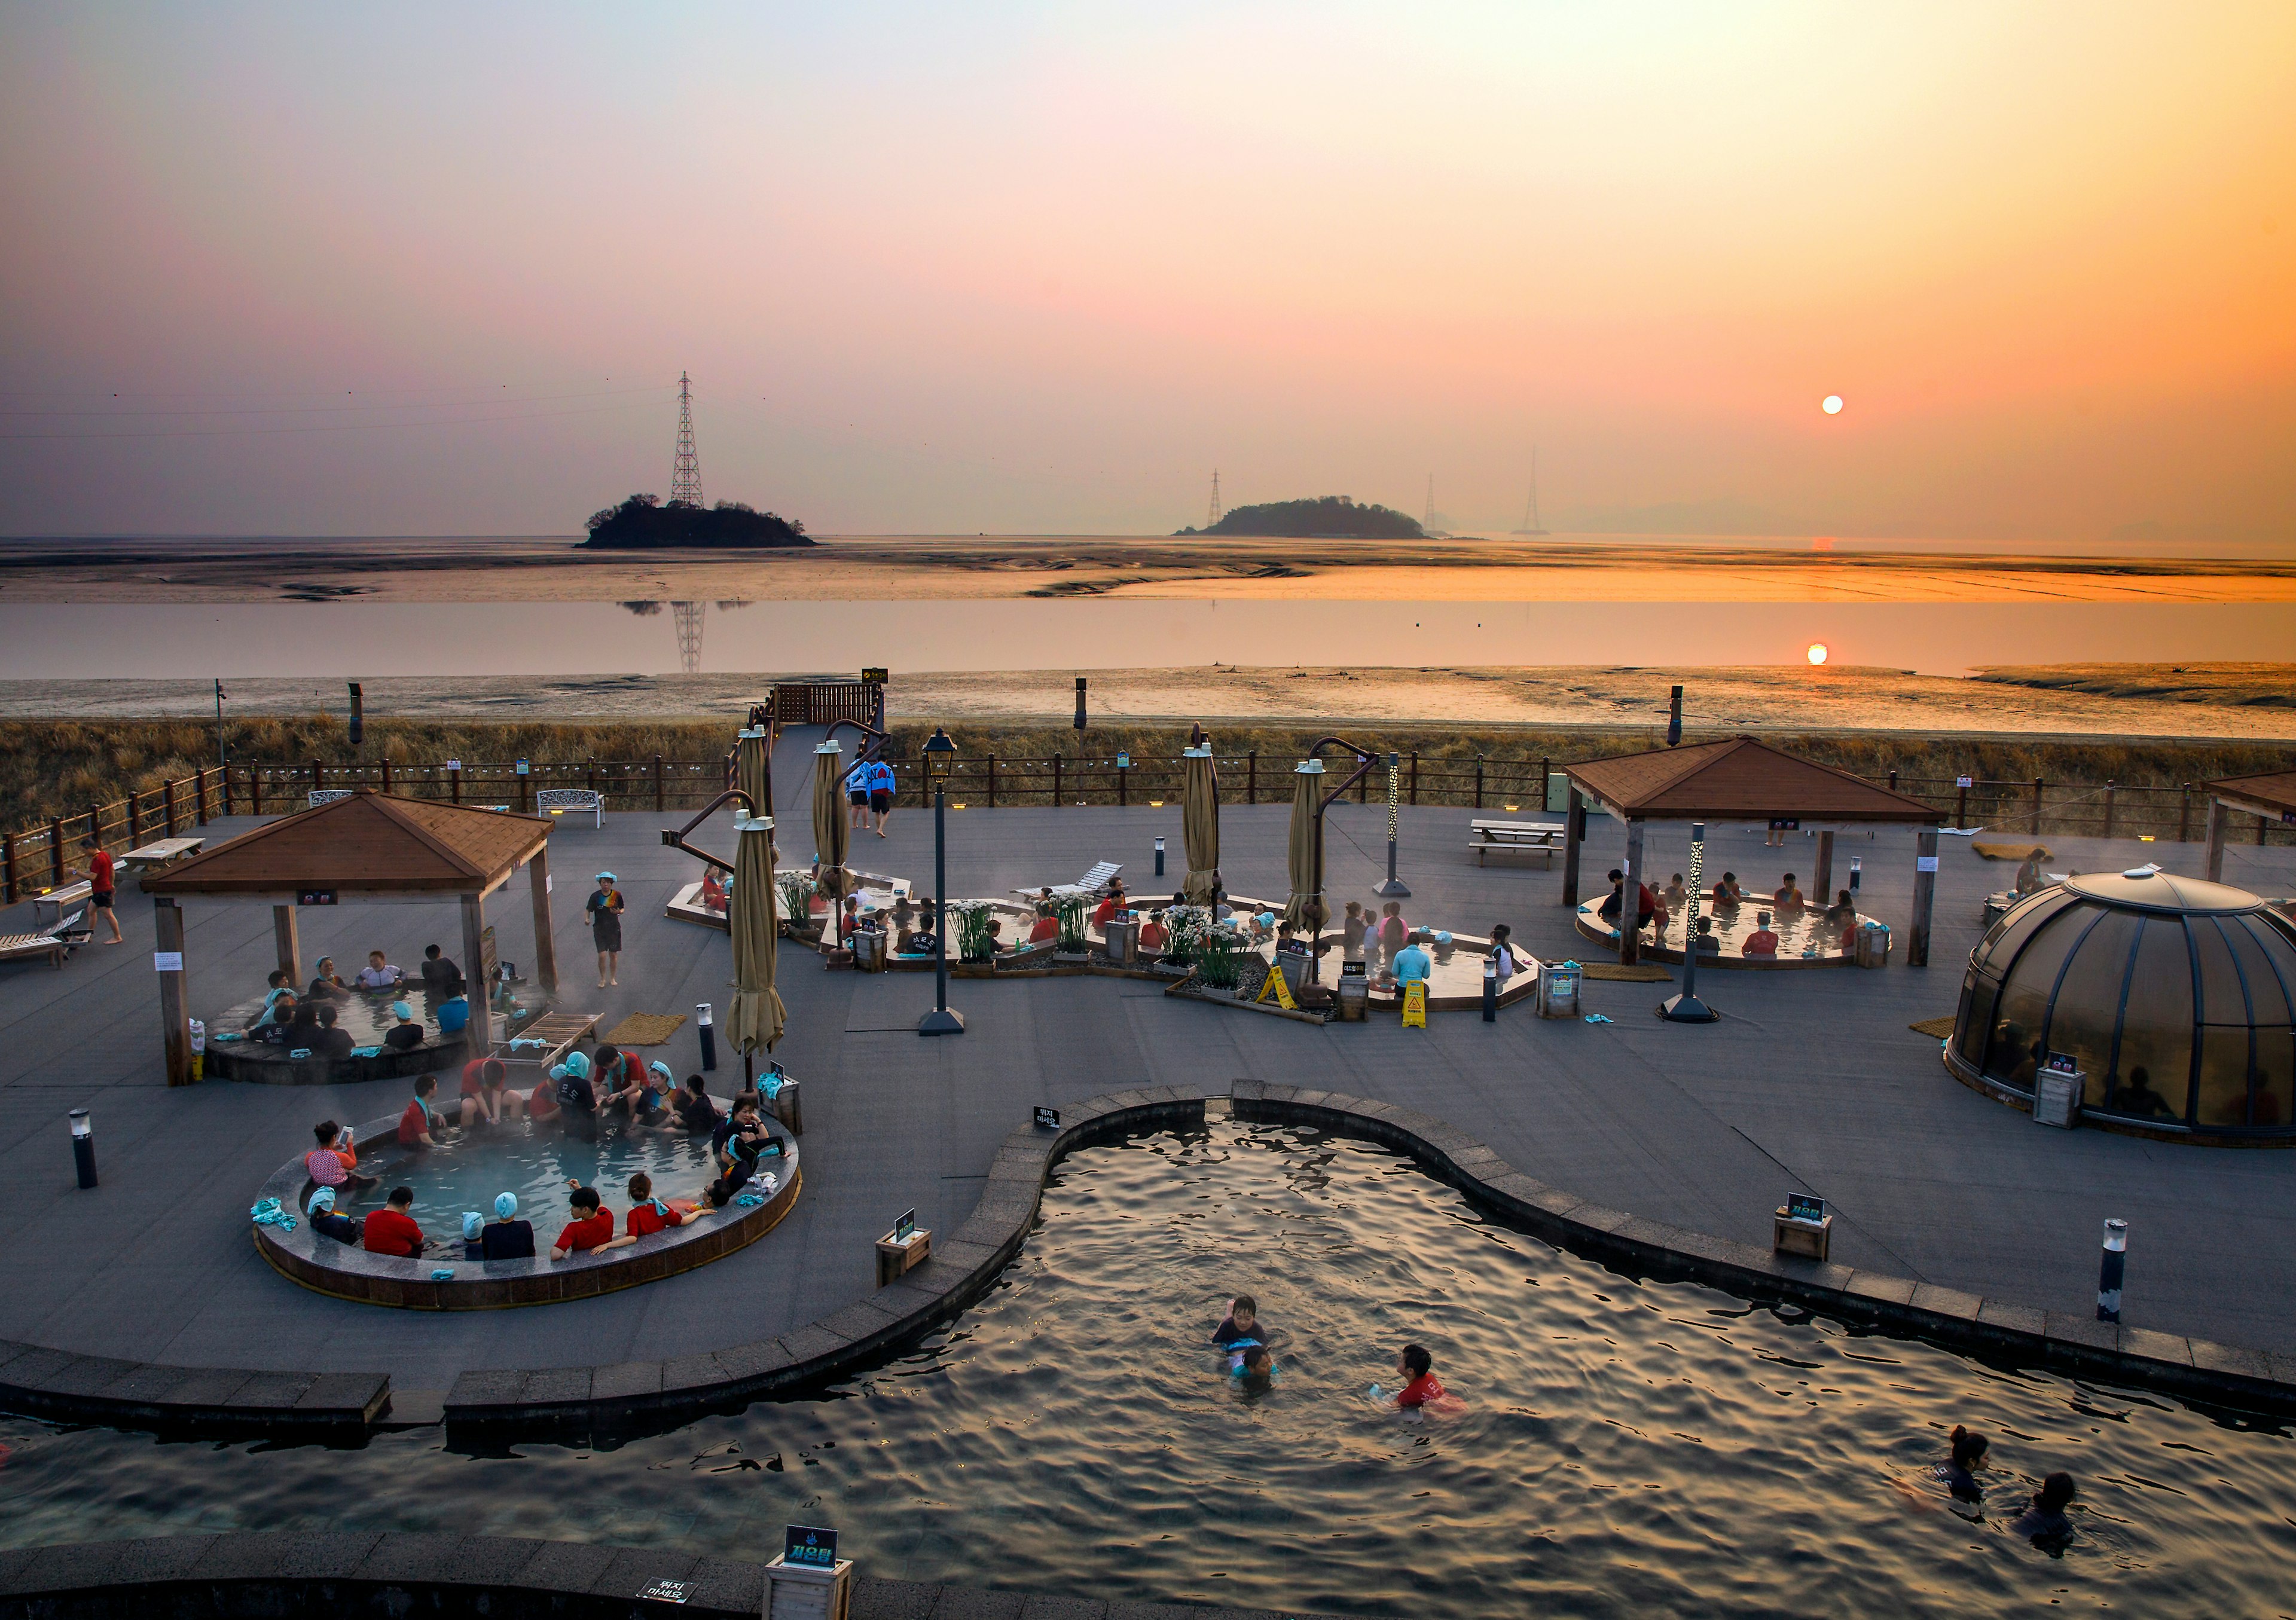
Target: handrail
x=676 y=841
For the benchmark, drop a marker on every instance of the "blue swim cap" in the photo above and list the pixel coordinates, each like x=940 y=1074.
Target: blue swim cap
x=578 y=1065
x=659 y=1068
x=473 y=1224
x=401 y=1009
x=506 y=1206
x=557 y=1072
x=322 y=1199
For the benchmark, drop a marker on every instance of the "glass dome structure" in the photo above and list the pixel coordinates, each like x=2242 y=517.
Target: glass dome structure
x=2174 y=998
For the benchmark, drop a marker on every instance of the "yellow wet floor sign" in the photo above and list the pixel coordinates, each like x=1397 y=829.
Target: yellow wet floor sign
x=1414 y=1004
x=1275 y=986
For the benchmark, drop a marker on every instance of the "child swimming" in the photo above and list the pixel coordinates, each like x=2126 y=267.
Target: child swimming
x=1422 y=1392
x=1255 y=1369
x=1240 y=1330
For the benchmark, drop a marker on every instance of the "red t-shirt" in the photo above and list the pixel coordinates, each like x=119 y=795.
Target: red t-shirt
x=99 y=873
x=413 y=1124
x=544 y=1103
x=587 y=1234
x=1761 y=942
x=471 y=1084
x=389 y=1233
x=1047 y=928
x=646 y=1220
x=1421 y=1390
x=1106 y=909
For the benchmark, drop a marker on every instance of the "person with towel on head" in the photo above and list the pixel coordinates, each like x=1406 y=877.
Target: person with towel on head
x=506 y=1236
x=329 y=1223
x=406 y=1034
x=604 y=907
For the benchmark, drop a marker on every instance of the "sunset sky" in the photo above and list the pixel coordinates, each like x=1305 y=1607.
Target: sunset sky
x=368 y=270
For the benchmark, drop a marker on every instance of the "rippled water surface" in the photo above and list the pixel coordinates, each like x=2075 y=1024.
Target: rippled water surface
x=1625 y=1447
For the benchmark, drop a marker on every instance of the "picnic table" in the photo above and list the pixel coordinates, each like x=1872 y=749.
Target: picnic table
x=164 y=852
x=1541 y=839
x=58 y=899
x=556 y=1031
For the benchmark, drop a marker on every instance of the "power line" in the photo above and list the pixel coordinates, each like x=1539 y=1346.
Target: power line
x=339 y=426
x=305 y=410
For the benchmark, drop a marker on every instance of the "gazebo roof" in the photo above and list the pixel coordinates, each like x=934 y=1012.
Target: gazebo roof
x=1739 y=777
x=368 y=844
x=2275 y=790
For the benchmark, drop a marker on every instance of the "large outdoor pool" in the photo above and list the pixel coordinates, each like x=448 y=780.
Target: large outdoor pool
x=1626 y=1447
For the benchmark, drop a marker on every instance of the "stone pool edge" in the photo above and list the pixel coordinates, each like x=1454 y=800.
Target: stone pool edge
x=54 y=1383
x=390 y=1575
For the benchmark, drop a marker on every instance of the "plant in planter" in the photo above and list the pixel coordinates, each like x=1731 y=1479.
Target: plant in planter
x=1071 y=913
x=796 y=889
x=974 y=942
x=1187 y=925
x=1219 y=957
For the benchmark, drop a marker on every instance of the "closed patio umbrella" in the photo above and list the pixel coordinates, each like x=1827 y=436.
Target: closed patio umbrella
x=757 y=1015
x=749 y=768
x=1200 y=825
x=829 y=828
x=1305 y=909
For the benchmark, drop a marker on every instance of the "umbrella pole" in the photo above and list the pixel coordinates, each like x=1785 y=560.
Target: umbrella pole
x=940 y=1020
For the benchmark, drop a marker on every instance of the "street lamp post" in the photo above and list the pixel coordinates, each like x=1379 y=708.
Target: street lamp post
x=1686 y=1008
x=939 y=753
x=1395 y=886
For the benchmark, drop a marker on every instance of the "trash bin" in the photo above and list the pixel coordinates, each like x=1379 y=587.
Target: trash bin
x=1297 y=967
x=869 y=949
x=1872 y=944
x=1558 y=989
x=1123 y=937
x=2057 y=1092
x=1354 y=993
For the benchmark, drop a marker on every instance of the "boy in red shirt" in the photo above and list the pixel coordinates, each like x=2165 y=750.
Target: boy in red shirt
x=486 y=1094
x=391 y=1230
x=416 y=1125
x=591 y=1230
x=100 y=885
x=1421 y=1390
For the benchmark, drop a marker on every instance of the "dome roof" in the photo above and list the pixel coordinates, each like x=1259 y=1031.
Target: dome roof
x=2174 y=998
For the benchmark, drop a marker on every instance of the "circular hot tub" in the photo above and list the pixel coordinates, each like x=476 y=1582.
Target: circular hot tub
x=533 y=1161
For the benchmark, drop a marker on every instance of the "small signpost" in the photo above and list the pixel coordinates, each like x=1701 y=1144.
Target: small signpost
x=668 y=1591
x=1048 y=1119
x=1802 y=1226
x=809 y=1581
x=903 y=1249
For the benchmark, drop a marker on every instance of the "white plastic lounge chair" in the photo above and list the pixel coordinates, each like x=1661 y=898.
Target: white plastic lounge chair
x=1091 y=883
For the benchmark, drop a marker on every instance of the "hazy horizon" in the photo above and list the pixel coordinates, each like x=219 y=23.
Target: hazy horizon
x=276 y=271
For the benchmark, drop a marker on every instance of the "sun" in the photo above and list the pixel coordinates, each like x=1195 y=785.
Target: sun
x=1817 y=652
x=1831 y=405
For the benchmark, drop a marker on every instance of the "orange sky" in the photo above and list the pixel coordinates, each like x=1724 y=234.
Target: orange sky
x=1043 y=269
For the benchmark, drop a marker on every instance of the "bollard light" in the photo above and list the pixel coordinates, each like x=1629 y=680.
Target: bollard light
x=1854 y=867
x=1491 y=988
x=2110 y=1267
x=83 y=1135
x=708 y=1035
x=1160 y=857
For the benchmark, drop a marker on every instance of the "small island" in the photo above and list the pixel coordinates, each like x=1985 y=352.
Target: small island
x=1330 y=517
x=643 y=522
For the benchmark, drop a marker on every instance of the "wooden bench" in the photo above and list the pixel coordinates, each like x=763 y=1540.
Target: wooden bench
x=165 y=852
x=558 y=801
x=557 y=1031
x=31 y=947
x=1541 y=839
x=56 y=899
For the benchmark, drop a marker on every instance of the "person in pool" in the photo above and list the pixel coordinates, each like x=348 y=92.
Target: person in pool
x=1422 y=1390
x=2045 y=1520
x=1959 y=1469
x=1241 y=1326
x=1255 y=1369
x=328 y=1224
x=506 y=1236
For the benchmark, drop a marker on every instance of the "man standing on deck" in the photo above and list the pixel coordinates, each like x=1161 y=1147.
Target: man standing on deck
x=881 y=792
x=856 y=795
x=100 y=887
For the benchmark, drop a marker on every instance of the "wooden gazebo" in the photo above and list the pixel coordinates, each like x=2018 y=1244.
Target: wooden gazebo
x=2271 y=799
x=1741 y=778
x=371 y=846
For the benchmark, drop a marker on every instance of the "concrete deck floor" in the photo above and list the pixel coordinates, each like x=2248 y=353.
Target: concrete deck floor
x=1812 y=1081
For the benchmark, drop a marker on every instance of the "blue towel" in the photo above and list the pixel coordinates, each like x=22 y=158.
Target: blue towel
x=366 y=1052
x=300 y=1051
x=1597 y=1018
x=445 y=1274
x=267 y=1211
x=533 y=1041
x=749 y=1201
x=227 y=1034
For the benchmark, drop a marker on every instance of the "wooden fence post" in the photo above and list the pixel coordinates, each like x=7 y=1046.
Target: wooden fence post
x=255 y=789
x=1252 y=777
x=1121 y=789
x=454 y=781
x=134 y=821
x=317 y=781
x=659 y=801
x=1960 y=805
x=8 y=866
x=2036 y=806
x=2184 y=813
x=386 y=772
x=1893 y=781
x=56 y=849
x=2109 y=788
x=2260 y=824
x=168 y=805
x=992 y=783
x=1414 y=777
x=525 y=795
x=1479 y=781
x=1056 y=781
x=1546 y=770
